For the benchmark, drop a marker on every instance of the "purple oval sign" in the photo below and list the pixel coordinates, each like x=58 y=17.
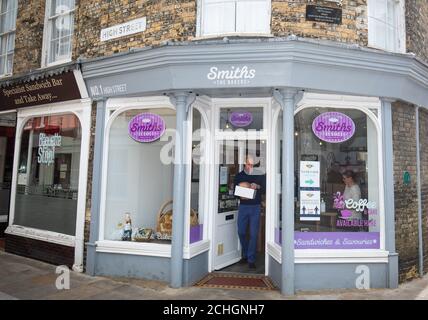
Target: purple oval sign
x=333 y=127
x=241 y=118
x=146 y=127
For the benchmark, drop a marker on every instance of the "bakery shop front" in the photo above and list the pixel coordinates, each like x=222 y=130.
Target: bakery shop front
x=172 y=136
x=45 y=121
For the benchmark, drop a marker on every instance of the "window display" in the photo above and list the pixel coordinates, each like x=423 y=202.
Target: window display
x=48 y=174
x=197 y=178
x=140 y=175
x=336 y=183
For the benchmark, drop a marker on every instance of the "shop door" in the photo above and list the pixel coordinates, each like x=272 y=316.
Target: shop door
x=7 y=143
x=231 y=155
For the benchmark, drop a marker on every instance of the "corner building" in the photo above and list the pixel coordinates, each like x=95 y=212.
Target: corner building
x=316 y=91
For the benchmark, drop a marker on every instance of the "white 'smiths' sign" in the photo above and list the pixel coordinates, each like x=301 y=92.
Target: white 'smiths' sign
x=124 y=29
x=234 y=75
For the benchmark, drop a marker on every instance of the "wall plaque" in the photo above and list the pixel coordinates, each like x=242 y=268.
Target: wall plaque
x=323 y=14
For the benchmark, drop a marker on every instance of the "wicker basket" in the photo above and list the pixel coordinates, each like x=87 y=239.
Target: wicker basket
x=164 y=221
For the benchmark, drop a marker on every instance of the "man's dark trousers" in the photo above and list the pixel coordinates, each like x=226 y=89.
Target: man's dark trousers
x=249 y=214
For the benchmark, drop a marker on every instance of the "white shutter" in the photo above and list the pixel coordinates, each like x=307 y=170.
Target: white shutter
x=400 y=12
x=252 y=16
x=218 y=17
x=391 y=41
x=377 y=14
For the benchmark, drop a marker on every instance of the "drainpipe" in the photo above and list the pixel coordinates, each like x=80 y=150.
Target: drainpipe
x=286 y=98
x=418 y=173
x=388 y=177
x=182 y=102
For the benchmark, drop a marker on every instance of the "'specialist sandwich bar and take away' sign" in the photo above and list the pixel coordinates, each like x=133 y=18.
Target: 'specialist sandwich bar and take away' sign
x=50 y=89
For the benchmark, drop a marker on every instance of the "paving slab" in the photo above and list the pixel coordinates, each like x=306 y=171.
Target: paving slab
x=4 y=296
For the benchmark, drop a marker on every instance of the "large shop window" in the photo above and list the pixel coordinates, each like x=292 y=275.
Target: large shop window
x=8 y=13
x=235 y=16
x=386 y=24
x=48 y=174
x=278 y=180
x=59 y=32
x=198 y=187
x=140 y=171
x=336 y=180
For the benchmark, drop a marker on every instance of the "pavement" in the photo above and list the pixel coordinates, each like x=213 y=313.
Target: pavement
x=27 y=279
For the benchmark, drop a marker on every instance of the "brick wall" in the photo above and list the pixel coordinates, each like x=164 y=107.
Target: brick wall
x=29 y=35
x=423 y=141
x=406 y=206
x=417 y=27
x=176 y=20
x=89 y=183
x=40 y=250
x=166 y=20
x=288 y=17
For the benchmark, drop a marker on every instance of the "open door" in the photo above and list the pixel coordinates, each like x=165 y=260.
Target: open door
x=227 y=249
x=231 y=156
x=7 y=143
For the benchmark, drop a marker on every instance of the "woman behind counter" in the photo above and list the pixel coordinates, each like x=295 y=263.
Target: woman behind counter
x=352 y=191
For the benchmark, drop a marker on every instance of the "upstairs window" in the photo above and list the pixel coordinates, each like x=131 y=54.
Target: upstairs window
x=59 y=25
x=387 y=25
x=222 y=17
x=8 y=12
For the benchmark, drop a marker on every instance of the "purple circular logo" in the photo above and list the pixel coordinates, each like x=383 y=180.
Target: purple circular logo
x=241 y=119
x=333 y=127
x=146 y=127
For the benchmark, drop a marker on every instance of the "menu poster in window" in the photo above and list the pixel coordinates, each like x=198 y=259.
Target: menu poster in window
x=224 y=175
x=310 y=204
x=309 y=174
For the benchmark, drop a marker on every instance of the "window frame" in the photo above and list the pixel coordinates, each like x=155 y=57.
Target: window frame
x=399 y=45
x=47 y=36
x=7 y=34
x=82 y=110
x=114 y=107
x=204 y=178
x=366 y=105
x=200 y=23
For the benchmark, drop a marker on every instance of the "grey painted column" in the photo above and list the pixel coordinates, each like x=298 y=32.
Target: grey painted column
x=182 y=101
x=388 y=176
x=419 y=186
x=96 y=187
x=286 y=98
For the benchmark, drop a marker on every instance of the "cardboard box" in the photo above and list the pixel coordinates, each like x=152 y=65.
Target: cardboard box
x=247 y=193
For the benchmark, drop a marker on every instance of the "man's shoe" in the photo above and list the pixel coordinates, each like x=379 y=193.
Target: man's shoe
x=252 y=265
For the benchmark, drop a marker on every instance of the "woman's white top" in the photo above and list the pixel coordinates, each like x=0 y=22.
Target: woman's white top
x=353 y=192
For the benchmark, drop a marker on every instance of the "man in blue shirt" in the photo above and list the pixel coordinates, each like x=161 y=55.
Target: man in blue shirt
x=249 y=210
